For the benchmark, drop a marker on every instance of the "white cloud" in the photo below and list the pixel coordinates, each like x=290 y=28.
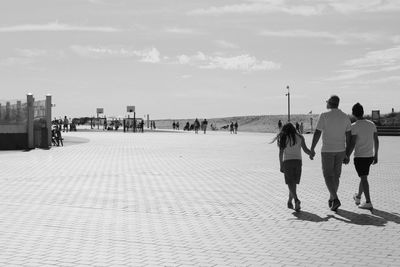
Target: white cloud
x=357 y=6
x=30 y=53
x=149 y=55
x=341 y=38
x=178 y=30
x=302 y=8
x=183 y=59
x=395 y=79
x=244 y=62
x=226 y=44
x=379 y=58
x=259 y=7
x=13 y=61
x=28 y=56
x=56 y=27
x=373 y=62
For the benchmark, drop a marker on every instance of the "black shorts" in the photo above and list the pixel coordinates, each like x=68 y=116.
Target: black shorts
x=362 y=165
x=292 y=171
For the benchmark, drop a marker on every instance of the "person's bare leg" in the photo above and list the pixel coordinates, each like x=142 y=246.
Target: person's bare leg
x=360 y=189
x=365 y=187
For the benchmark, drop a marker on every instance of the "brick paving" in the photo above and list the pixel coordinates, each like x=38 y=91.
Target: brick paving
x=180 y=199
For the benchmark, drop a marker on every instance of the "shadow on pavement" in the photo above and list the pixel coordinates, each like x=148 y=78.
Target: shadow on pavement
x=390 y=217
x=308 y=216
x=359 y=219
x=73 y=140
x=378 y=217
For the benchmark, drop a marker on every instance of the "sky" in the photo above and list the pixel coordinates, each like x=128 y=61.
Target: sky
x=206 y=59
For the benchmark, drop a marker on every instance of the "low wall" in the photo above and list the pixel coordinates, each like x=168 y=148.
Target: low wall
x=13 y=141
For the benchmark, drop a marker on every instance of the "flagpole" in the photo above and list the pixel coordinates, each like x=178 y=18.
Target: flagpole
x=288 y=97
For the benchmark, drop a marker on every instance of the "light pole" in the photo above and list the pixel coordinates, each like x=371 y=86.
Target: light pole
x=288 y=102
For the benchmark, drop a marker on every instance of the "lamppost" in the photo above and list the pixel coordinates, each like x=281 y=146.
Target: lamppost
x=288 y=102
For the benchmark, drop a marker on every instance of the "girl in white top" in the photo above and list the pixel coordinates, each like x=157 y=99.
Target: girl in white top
x=290 y=143
x=364 y=140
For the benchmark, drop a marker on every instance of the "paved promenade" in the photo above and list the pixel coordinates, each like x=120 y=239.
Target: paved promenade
x=180 y=199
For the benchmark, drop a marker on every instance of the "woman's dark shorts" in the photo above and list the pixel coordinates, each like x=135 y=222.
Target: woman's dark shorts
x=362 y=165
x=292 y=171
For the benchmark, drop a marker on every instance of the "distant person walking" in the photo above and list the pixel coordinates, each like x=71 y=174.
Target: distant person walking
x=187 y=127
x=290 y=144
x=364 y=139
x=232 y=127
x=66 y=123
x=59 y=138
x=196 y=126
x=236 y=125
x=204 y=125
x=335 y=128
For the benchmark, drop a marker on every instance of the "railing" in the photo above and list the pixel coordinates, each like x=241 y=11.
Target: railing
x=388 y=130
x=17 y=123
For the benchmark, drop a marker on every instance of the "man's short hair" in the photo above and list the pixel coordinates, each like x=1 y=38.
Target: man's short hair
x=333 y=101
x=358 y=110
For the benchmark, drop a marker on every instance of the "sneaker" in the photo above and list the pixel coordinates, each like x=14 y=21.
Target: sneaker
x=356 y=199
x=290 y=205
x=366 y=206
x=335 y=204
x=297 y=206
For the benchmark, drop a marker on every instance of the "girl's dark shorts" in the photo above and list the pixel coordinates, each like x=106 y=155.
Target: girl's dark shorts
x=292 y=171
x=362 y=165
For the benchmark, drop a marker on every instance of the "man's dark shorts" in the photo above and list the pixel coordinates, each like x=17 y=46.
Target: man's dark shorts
x=362 y=165
x=292 y=171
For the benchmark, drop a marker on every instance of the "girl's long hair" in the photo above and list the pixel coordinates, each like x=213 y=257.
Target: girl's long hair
x=286 y=136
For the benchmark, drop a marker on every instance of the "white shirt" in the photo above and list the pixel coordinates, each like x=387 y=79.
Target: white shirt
x=364 y=130
x=333 y=124
x=294 y=151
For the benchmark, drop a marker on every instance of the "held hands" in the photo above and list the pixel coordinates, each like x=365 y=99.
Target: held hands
x=312 y=154
x=346 y=160
x=375 y=160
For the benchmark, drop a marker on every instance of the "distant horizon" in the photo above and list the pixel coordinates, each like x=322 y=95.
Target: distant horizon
x=219 y=117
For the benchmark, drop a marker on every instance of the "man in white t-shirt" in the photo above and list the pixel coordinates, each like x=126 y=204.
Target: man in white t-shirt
x=364 y=139
x=334 y=126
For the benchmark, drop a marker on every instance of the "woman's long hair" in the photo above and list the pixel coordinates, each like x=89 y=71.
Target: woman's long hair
x=286 y=136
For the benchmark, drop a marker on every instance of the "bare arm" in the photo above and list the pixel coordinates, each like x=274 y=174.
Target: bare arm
x=316 y=136
x=304 y=146
x=351 y=146
x=281 y=159
x=349 y=138
x=376 y=147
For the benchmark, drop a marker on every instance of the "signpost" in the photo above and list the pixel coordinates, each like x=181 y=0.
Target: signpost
x=288 y=104
x=376 y=116
x=99 y=111
x=131 y=109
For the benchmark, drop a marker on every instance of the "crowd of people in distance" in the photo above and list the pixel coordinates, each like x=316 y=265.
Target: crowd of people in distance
x=64 y=124
x=299 y=126
x=339 y=139
x=197 y=126
x=59 y=125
